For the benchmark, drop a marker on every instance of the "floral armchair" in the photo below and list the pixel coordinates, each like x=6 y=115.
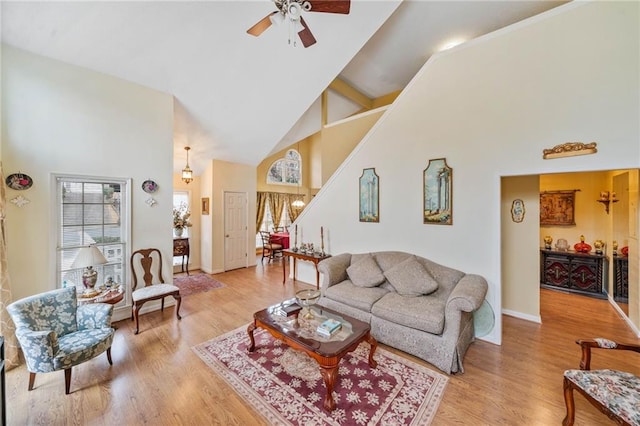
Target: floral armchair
x=614 y=393
x=56 y=334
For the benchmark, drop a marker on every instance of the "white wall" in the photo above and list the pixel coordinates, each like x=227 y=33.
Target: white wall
x=520 y=260
x=490 y=107
x=230 y=177
x=58 y=118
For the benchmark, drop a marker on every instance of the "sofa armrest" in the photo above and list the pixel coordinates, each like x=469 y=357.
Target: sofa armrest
x=468 y=294
x=94 y=316
x=334 y=269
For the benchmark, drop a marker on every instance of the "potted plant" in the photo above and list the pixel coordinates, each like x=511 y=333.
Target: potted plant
x=181 y=216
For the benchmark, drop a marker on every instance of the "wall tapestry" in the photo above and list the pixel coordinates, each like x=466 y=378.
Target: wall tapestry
x=438 y=193
x=369 y=196
x=557 y=208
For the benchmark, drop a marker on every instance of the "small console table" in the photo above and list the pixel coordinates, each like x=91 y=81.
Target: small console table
x=575 y=272
x=181 y=248
x=295 y=255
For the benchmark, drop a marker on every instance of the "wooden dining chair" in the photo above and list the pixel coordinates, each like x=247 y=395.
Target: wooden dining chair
x=615 y=393
x=148 y=264
x=271 y=246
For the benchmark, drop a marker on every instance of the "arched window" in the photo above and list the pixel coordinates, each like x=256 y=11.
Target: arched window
x=287 y=170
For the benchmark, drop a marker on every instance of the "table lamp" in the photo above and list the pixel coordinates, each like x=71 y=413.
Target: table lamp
x=88 y=257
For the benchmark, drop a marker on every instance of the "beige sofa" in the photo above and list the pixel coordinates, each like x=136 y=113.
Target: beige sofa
x=412 y=303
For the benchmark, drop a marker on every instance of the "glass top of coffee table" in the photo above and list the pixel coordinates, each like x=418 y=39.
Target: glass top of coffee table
x=304 y=330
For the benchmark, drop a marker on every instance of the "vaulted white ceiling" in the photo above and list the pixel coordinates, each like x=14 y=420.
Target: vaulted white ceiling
x=238 y=97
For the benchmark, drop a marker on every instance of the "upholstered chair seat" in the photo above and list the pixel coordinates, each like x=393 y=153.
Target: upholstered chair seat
x=614 y=393
x=57 y=334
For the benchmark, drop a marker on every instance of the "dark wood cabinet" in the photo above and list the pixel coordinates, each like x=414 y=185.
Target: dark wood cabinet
x=574 y=272
x=181 y=248
x=621 y=279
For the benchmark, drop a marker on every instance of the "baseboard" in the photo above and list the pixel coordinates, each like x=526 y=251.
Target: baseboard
x=124 y=312
x=624 y=316
x=528 y=317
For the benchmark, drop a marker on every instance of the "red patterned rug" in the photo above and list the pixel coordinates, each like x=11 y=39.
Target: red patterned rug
x=195 y=283
x=285 y=386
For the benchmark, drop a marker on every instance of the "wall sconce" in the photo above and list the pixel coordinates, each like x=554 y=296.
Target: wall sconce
x=187 y=173
x=606 y=198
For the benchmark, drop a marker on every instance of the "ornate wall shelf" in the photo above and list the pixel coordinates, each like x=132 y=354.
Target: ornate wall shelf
x=570 y=149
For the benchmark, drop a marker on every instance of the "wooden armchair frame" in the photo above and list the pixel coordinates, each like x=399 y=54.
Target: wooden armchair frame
x=585 y=364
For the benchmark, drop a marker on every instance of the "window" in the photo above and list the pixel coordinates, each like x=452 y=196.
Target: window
x=287 y=170
x=96 y=212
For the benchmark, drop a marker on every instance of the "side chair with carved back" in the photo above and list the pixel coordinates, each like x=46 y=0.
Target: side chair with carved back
x=148 y=264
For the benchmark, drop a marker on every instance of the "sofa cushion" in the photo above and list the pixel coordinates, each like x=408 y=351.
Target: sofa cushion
x=365 y=273
x=358 y=297
x=410 y=278
x=425 y=313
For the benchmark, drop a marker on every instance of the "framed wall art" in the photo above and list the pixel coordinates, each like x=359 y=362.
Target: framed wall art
x=557 y=208
x=205 y=205
x=517 y=210
x=369 y=196
x=438 y=193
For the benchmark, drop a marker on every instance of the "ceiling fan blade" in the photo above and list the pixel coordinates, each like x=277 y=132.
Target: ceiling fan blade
x=305 y=34
x=262 y=25
x=330 y=6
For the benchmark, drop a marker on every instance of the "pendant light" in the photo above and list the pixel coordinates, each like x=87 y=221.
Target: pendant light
x=187 y=173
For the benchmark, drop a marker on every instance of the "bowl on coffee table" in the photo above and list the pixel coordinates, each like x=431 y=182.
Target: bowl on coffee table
x=306 y=299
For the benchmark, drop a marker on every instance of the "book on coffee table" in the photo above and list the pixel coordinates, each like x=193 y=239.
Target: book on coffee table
x=329 y=327
x=287 y=309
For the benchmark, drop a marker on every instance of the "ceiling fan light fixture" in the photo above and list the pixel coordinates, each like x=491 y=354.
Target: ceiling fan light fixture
x=294 y=11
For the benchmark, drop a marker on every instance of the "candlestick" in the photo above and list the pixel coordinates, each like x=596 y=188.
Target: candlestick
x=295 y=238
x=321 y=241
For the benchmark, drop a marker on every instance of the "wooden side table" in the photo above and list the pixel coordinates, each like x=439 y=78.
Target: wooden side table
x=181 y=248
x=295 y=255
x=111 y=296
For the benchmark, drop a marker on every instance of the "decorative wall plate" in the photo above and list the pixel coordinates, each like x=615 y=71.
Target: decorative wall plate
x=19 y=181
x=149 y=186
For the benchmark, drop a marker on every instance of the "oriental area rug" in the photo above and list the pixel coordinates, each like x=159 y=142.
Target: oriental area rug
x=286 y=388
x=195 y=283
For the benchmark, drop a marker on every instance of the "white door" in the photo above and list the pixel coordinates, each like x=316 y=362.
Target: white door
x=235 y=230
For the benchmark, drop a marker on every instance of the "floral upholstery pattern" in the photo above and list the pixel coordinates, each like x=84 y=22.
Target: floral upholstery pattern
x=56 y=334
x=617 y=390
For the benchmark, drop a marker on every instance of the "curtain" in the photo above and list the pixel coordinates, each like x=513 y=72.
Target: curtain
x=293 y=211
x=261 y=206
x=276 y=204
x=7 y=329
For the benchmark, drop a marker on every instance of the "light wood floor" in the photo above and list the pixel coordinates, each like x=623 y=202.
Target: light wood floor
x=156 y=379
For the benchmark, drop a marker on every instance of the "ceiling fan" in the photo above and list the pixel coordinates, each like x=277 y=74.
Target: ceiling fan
x=291 y=10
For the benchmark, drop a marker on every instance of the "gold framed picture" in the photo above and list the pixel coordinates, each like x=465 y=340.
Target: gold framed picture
x=205 y=205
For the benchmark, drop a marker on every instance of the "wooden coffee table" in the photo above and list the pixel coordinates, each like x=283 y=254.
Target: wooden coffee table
x=327 y=353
